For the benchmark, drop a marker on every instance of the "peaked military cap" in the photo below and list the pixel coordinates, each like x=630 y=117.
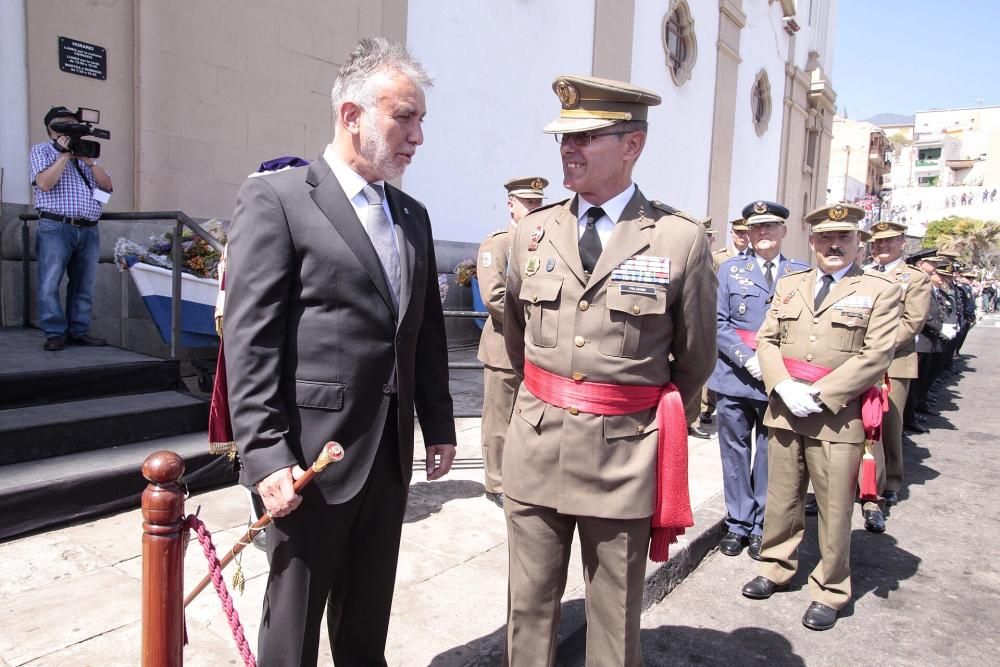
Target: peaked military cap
x=762 y=211
x=835 y=218
x=529 y=187
x=887 y=229
x=864 y=235
x=970 y=275
x=590 y=103
x=739 y=225
x=950 y=254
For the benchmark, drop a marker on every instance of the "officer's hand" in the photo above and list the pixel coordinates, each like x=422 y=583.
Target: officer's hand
x=798 y=397
x=277 y=492
x=949 y=331
x=752 y=367
x=439 y=460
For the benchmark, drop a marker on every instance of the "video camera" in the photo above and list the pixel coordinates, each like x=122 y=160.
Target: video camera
x=82 y=127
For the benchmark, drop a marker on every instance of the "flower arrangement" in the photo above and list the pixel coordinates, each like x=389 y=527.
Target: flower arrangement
x=465 y=271
x=200 y=259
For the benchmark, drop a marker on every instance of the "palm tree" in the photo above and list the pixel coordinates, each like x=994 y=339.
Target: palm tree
x=976 y=241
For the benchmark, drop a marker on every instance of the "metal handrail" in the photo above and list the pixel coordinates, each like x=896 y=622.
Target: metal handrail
x=181 y=220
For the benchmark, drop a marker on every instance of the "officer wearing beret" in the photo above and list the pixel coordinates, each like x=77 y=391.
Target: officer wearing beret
x=524 y=195
x=609 y=320
x=888 y=241
x=825 y=344
x=745 y=288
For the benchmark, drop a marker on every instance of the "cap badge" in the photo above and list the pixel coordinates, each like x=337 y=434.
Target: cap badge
x=838 y=212
x=537 y=184
x=567 y=93
x=760 y=207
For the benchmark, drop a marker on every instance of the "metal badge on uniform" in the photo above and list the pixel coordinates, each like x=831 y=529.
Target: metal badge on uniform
x=487 y=259
x=750 y=266
x=532 y=266
x=406 y=210
x=905 y=277
x=733 y=269
x=788 y=268
x=537 y=233
x=743 y=309
x=550 y=264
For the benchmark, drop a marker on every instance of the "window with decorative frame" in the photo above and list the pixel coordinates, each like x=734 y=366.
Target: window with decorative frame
x=760 y=102
x=679 y=43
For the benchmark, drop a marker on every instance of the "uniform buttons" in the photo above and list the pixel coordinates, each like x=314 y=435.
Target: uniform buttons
x=579 y=341
x=640 y=428
x=584 y=305
x=573 y=411
x=809 y=357
x=578 y=376
x=519 y=411
x=386 y=389
x=636 y=309
x=815 y=320
x=534 y=298
x=812 y=339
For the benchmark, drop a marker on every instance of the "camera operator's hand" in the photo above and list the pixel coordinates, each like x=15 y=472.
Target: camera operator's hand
x=62 y=143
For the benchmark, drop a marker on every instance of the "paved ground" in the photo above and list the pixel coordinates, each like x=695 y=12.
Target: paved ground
x=926 y=592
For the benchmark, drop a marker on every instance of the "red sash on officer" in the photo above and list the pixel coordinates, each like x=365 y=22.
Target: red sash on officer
x=749 y=338
x=672 y=513
x=874 y=402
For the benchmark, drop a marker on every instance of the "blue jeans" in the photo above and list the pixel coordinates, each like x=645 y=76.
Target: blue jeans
x=62 y=248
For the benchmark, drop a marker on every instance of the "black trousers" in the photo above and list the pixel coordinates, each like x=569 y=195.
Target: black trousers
x=337 y=558
x=917 y=397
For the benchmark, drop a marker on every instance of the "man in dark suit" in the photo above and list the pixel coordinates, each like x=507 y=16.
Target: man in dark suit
x=335 y=331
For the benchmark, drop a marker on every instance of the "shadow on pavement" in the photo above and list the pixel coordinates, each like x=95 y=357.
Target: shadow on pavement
x=427 y=498
x=915 y=470
x=878 y=565
x=681 y=645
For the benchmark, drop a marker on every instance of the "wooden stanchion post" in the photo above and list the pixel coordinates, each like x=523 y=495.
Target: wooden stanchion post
x=163 y=561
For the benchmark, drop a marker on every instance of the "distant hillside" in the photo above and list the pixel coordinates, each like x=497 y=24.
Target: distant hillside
x=890 y=119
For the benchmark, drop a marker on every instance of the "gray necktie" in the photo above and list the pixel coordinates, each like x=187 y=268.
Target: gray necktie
x=380 y=232
x=769 y=273
x=823 y=291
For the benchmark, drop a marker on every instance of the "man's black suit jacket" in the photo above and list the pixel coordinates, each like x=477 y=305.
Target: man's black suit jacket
x=312 y=333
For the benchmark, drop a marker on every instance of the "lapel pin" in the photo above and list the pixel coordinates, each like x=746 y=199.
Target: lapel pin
x=406 y=210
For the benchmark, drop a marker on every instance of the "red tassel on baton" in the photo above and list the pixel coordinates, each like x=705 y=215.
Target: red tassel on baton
x=869 y=489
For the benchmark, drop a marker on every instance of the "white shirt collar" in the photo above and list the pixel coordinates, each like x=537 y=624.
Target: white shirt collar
x=836 y=276
x=351 y=181
x=761 y=261
x=613 y=208
x=890 y=266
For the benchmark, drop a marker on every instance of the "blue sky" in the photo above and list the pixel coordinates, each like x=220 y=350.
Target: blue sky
x=902 y=56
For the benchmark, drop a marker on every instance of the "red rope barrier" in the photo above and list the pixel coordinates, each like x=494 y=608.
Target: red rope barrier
x=215 y=569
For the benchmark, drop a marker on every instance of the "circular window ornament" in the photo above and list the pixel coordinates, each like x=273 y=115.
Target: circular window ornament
x=760 y=102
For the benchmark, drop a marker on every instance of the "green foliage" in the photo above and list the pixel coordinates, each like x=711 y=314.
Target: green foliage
x=976 y=241
x=937 y=228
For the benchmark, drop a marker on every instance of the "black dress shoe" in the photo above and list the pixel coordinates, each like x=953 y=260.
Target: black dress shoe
x=86 y=340
x=760 y=588
x=732 y=544
x=54 y=343
x=916 y=428
x=754 y=549
x=874 y=521
x=921 y=419
x=891 y=497
x=696 y=432
x=928 y=411
x=810 y=507
x=819 y=617
x=706 y=418
x=495 y=498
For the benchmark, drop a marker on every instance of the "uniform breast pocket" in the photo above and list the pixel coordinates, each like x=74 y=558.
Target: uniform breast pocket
x=788 y=316
x=635 y=319
x=542 y=309
x=849 y=328
x=742 y=304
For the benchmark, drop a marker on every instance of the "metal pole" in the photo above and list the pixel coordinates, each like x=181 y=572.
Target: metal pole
x=175 y=290
x=25 y=275
x=163 y=561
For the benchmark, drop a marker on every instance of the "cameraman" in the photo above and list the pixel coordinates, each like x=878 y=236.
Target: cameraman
x=70 y=192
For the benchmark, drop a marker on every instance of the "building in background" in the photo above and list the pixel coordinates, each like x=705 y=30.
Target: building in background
x=860 y=161
x=197 y=94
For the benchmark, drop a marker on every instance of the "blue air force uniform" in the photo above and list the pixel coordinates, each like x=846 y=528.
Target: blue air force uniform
x=743 y=301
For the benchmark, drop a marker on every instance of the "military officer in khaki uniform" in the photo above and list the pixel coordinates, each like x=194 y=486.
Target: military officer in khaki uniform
x=827 y=339
x=610 y=312
x=888 y=241
x=524 y=195
x=740 y=237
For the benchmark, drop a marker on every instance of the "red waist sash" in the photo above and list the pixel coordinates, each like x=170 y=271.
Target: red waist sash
x=874 y=401
x=749 y=338
x=672 y=512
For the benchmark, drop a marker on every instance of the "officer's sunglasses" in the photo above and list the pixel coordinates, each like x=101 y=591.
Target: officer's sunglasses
x=585 y=138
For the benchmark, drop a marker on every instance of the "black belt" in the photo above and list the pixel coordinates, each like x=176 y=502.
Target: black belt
x=76 y=222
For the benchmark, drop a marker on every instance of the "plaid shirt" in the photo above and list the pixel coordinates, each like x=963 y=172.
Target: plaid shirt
x=71 y=195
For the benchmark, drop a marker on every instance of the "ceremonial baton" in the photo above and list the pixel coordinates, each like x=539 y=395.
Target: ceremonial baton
x=332 y=452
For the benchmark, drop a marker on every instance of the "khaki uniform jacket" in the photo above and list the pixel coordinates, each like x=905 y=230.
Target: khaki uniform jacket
x=852 y=332
x=622 y=331
x=491 y=270
x=915 y=289
x=721 y=255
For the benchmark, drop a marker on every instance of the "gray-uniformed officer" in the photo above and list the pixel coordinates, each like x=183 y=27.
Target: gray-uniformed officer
x=524 y=195
x=828 y=339
x=610 y=312
x=888 y=241
x=745 y=288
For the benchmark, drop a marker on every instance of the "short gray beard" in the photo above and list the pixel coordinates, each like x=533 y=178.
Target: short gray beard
x=376 y=151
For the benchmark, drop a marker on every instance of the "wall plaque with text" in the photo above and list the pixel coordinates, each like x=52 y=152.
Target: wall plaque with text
x=78 y=57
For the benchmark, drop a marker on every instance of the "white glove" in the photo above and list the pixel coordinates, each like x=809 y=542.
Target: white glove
x=949 y=331
x=799 y=398
x=752 y=366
